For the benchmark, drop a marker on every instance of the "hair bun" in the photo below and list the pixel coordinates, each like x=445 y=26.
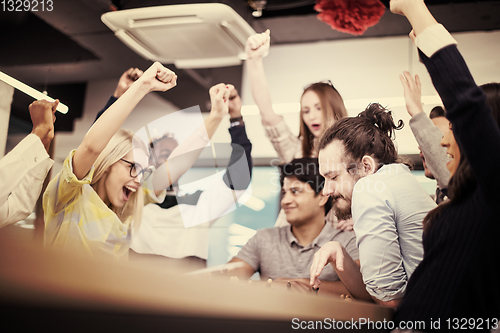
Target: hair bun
x=381 y=118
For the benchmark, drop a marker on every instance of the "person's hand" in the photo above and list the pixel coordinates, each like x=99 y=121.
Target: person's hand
x=43 y=116
x=331 y=252
x=412 y=92
x=300 y=284
x=158 y=78
x=234 y=104
x=403 y=7
x=345 y=225
x=258 y=45
x=416 y=12
x=219 y=98
x=126 y=80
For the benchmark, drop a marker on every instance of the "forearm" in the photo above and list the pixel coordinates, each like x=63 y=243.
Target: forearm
x=42 y=134
x=391 y=304
x=352 y=279
x=110 y=102
x=260 y=92
x=211 y=123
x=419 y=17
x=428 y=137
x=185 y=155
x=110 y=121
x=244 y=272
x=238 y=173
x=333 y=288
x=104 y=128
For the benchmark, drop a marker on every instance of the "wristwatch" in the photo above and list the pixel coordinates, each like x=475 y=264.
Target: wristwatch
x=236 y=122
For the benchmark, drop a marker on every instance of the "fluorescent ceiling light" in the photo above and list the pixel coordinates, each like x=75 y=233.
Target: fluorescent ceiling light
x=255 y=203
x=279 y=108
x=361 y=104
x=350 y=104
x=30 y=91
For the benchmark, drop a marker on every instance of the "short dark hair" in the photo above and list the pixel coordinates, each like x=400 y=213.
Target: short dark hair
x=370 y=133
x=437 y=112
x=305 y=170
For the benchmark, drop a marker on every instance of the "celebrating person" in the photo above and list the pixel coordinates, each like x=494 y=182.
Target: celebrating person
x=360 y=164
x=320 y=107
x=92 y=205
x=458 y=276
x=24 y=169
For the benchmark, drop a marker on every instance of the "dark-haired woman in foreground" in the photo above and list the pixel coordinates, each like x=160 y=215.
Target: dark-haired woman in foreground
x=457 y=281
x=360 y=164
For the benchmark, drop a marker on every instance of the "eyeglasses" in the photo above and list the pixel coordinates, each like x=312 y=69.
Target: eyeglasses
x=328 y=82
x=137 y=169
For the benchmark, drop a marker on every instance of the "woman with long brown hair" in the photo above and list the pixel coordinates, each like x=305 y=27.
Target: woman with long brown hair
x=320 y=107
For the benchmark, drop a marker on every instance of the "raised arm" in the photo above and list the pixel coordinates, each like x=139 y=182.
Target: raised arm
x=237 y=176
x=24 y=169
x=416 y=12
x=126 y=80
x=428 y=135
x=257 y=46
x=466 y=109
x=156 y=78
x=186 y=154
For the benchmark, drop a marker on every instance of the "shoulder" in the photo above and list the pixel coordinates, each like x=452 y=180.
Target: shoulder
x=271 y=233
x=344 y=237
x=388 y=178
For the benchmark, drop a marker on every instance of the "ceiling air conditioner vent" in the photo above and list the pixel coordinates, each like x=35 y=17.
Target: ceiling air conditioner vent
x=189 y=36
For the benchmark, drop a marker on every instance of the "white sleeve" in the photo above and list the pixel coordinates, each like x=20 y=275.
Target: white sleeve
x=378 y=242
x=433 y=39
x=22 y=172
x=214 y=202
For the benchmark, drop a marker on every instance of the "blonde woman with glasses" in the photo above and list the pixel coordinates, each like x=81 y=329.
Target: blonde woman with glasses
x=320 y=107
x=95 y=202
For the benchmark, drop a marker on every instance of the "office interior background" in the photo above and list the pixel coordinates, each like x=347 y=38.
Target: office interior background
x=70 y=53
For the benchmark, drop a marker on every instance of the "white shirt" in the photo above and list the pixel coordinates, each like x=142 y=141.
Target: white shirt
x=182 y=230
x=388 y=208
x=22 y=172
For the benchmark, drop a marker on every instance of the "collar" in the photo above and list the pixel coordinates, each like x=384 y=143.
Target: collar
x=326 y=235
x=393 y=168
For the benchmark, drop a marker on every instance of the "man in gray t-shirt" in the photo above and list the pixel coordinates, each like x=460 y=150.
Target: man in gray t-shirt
x=285 y=254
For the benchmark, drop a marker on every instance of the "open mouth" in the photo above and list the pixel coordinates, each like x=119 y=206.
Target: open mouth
x=316 y=127
x=450 y=158
x=127 y=192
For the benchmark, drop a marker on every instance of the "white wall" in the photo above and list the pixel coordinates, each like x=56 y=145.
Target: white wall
x=363 y=70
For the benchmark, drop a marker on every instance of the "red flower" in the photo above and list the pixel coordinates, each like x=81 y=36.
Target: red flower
x=350 y=16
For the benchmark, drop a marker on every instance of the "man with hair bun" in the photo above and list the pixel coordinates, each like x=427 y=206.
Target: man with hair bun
x=365 y=178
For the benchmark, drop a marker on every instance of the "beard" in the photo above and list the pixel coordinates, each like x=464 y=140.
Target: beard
x=342 y=213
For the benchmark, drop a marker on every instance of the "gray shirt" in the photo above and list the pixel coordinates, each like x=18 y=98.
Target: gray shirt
x=388 y=208
x=275 y=252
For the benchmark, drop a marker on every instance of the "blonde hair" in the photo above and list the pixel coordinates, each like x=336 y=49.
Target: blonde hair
x=119 y=146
